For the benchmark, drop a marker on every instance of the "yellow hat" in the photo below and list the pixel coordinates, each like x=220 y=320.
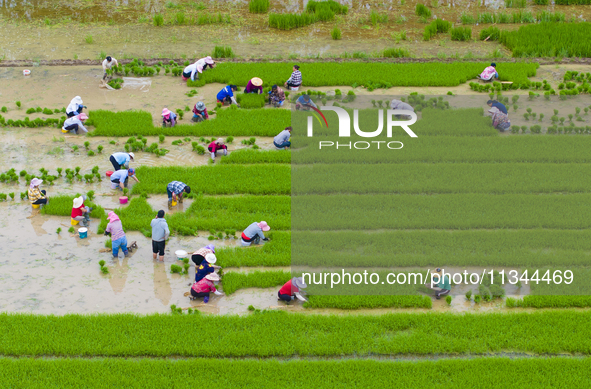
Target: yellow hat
x=256 y=81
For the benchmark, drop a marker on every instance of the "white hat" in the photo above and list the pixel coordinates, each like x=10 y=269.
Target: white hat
x=78 y=201
x=212 y=277
x=210 y=258
x=132 y=155
x=299 y=282
x=77 y=100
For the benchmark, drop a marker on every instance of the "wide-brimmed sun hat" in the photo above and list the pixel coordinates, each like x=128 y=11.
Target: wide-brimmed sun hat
x=132 y=155
x=83 y=116
x=36 y=182
x=264 y=226
x=78 y=202
x=210 y=258
x=200 y=105
x=299 y=282
x=165 y=112
x=212 y=277
x=256 y=81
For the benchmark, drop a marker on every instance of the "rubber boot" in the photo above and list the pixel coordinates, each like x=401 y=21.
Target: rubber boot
x=206 y=299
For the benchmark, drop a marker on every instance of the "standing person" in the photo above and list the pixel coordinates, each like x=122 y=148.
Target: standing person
x=118 y=238
x=199 y=112
x=80 y=212
x=500 y=106
x=226 y=95
x=255 y=85
x=37 y=196
x=168 y=117
x=204 y=287
x=120 y=177
x=217 y=145
x=443 y=287
x=206 y=267
x=292 y=289
x=295 y=81
x=199 y=256
x=500 y=121
x=160 y=233
x=121 y=160
x=75 y=107
x=108 y=63
x=75 y=124
x=254 y=233
x=489 y=73
x=175 y=191
x=281 y=141
x=276 y=96
x=304 y=103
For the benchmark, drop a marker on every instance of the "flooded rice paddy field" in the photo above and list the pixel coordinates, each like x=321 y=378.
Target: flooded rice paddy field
x=40 y=29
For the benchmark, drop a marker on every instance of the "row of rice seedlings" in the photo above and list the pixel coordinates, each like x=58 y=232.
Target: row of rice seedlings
x=35 y=123
x=45 y=111
x=461 y=34
x=436 y=26
x=233 y=281
x=250 y=156
x=180 y=18
x=368 y=302
x=258 y=6
x=275 y=252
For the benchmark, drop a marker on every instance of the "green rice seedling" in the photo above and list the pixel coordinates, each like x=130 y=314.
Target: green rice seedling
x=31 y=110
x=47 y=111
x=222 y=52
x=105 y=270
x=395 y=53
x=491 y=34
x=108 y=244
x=234 y=281
x=11 y=194
x=87 y=145
x=249 y=156
x=335 y=33
x=89 y=39
x=158 y=20
x=38 y=109
x=23 y=173
x=258 y=6
x=180 y=18
x=286 y=21
x=461 y=34
x=469 y=295
x=448 y=300
x=71 y=230
x=102 y=262
x=100 y=148
x=515 y=3
x=467 y=19
x=422 y=10
x=175 y=268
x=23 y=195
x=18 y=104
x=486 y=18
x=477 y=299
x=4 y=109
x=90 y=153
x=230 y=139
x=161 y=138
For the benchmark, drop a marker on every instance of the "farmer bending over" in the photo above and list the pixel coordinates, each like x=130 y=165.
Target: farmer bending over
x=203 y=287
x=199 y=256
x=443 y=288
x=108 y=63
x=121 y=160
x=217 y=145
x=489 y=73
x=276 y=96
x=175 y=191
x=74 y=124
x=120 y=177
x=281 y=141
x=292 y=290
x=255 y=85
x=206 y=267
x=304 y=103
x=75 y=107
x=500 y=106
x=254 y=233
x=226 y=95
x=199 y=112
x=168 y=118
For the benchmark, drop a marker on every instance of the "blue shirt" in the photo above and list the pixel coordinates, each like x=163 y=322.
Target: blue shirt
x=202 y=270
x=500 y=106
x=121 y=175
x=226 y=92
x=304 y=102
x=122 y=158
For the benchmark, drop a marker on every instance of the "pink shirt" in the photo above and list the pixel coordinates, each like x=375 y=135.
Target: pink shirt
x=203 y=286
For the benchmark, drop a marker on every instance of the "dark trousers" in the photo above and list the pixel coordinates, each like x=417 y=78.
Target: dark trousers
x=116 y=165
x=72 y=127
x=199 y=294
x=197 y=259
x=158 y=247
x=284 y=297
x=442 y=292
x=41 y=201
x=290 y=84
x=71 y=114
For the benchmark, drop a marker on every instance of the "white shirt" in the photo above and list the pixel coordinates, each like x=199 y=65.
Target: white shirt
x=74 y=120
x=191 y=69
x=107 y=64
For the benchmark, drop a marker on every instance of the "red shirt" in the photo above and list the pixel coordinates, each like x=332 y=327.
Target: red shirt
x=77 y=211
x=203 y=286
x=213 y=147
x=288 y=289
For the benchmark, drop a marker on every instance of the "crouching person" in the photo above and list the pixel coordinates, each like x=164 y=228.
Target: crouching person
x=203 y=287
x=442 y=288
x=292 y=290
x=254 y=233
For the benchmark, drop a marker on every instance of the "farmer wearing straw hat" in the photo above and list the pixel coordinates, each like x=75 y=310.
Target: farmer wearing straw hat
x=80 y=212
x=217 y=145
x=120 y=177
x=206 y=267
x=75 y=124
x=192 y=71
x=254 y=233
x=118 y=238
x=121 y=160
x=442 y=288
x=37 y=196
x=292 y=289
x=199 y=112
x=75 y=107
x=204 y=286
x=168 y=117
x=199 y=256
x=255 y=85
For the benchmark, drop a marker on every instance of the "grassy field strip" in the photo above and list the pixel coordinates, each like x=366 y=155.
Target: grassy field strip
x=545 y=149
x=550 y=332
x=368 y=302
x=250 y=156
x=385 y=75
x=442 y=178
x=233 y=281
x=442 y=211
x=217 y=180
x=145 y=373
x=501 y=247
x=230 y=121
x=275 y=252
x=533 y=301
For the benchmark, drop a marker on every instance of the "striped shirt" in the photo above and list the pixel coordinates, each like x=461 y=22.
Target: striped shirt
x=176 y=187
x=296 y=77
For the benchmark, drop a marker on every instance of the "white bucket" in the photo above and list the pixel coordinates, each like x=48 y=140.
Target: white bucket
x=26 y=72
x=295 y=88
x=114 y=185
x=180 y=254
